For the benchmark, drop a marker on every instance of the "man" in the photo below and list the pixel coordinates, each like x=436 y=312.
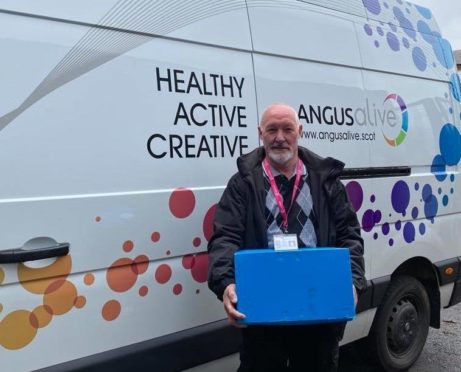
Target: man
x=281 y=188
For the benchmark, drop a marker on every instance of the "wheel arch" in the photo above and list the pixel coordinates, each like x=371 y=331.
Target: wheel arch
x=422 y=269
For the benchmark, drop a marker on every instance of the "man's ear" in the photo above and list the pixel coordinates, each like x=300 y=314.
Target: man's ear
x=300 y=129
x=260 y=133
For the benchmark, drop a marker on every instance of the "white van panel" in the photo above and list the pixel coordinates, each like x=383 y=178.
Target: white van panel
x=402 y=14
x=352 y=7
x=78 y=126
x=426 y=106
x=323 y=87
x=386 y=47
x=272 y=26
x=437 y=243
x=84 y=11
x=100 y=325
x=120 y=143
x=112 y=133
x=133 y=247
x=184 y=20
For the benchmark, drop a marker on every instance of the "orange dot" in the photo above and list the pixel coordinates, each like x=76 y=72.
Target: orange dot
x=2 y=275
x=155 y=237
x=140 y=264
x=143 y=291
x=111 y=310
x=128 y=246
x=62 y=300
x=41 y=316
x=16 y=330
x=163 y=273
x=120 y=275
x=32 y=278
x=88 y=279
x=98 y=219
x=80 y=301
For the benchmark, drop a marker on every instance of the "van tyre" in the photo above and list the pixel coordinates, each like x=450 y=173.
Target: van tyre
x=401 y=324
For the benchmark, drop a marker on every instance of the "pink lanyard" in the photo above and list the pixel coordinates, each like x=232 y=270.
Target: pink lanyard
x=278 y=196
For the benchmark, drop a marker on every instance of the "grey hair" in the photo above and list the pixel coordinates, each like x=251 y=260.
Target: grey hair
x=295 y=114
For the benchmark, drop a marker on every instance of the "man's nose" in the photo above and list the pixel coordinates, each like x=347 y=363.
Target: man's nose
x=279 y=136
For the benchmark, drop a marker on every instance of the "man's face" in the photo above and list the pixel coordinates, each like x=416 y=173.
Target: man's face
x=279 y=131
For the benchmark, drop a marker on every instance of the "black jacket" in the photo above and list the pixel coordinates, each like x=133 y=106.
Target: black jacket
x=240 y=221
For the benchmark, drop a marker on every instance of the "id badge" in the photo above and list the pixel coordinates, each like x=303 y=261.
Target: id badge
x=285 y=242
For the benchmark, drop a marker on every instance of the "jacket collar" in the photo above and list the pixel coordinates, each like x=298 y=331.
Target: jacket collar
x=327 y=167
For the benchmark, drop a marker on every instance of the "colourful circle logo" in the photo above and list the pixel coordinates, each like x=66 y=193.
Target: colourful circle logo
x=404 y=129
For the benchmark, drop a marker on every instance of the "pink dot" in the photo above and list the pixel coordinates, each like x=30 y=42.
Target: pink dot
x=155 y=237
x=128 y=246
x=182 y=202
x=177 y=289
x=208 y=222
x=200 y=268
x=196 y=242
x=188 y=261
x=163 y=273
x=143 y=291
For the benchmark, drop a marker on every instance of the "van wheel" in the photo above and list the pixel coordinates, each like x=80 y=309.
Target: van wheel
x=401 y=324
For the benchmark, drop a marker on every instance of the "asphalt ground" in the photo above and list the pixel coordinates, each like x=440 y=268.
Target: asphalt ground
x=442 y=351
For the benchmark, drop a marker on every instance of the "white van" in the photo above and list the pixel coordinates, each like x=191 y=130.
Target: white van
x=120 y=124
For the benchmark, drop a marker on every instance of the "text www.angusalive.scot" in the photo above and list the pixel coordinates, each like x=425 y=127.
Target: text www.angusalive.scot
x=338 y=136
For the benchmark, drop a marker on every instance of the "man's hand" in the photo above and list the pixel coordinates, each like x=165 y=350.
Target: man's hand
x=354 y=291
x=230 y=300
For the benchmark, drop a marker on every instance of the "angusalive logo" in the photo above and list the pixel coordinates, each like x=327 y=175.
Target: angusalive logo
x=404 y=128
x=390 y=117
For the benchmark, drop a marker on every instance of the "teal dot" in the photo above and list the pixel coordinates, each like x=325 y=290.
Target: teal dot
x=445 y=200
x=450 y=144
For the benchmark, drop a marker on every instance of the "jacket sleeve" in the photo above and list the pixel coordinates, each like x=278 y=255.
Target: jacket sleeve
x=228 y=235
x=348 y=234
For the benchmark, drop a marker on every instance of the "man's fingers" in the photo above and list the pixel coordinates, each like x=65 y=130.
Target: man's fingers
x=233 y=297
x=230 y=293
x=230 y=300
x=234 y=323
x=234 y=316
x=232 y=311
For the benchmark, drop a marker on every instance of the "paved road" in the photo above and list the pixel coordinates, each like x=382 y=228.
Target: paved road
x=441 y=353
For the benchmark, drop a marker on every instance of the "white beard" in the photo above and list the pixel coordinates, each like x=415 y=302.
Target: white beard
x=281 y=158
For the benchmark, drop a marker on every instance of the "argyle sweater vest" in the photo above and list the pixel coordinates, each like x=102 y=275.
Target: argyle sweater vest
x=301 y=218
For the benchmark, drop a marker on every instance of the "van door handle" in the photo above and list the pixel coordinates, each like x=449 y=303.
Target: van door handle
x=20 y=254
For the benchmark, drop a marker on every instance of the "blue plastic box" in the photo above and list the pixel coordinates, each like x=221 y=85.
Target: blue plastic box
x=309 y=285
